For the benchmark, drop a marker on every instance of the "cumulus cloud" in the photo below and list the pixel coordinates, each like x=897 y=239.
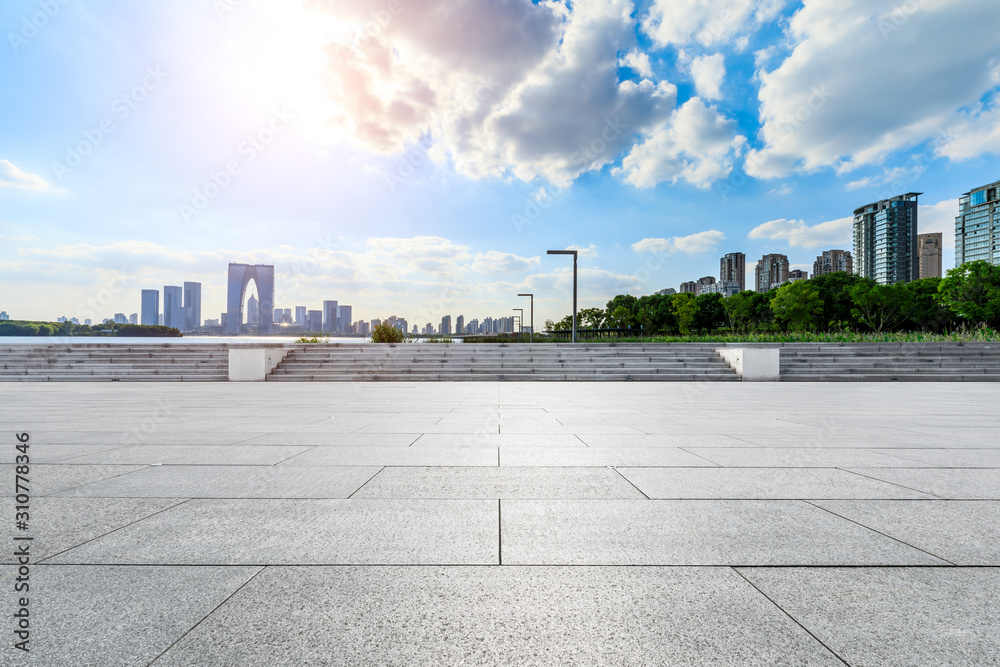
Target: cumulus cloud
x=694 y=243
x=707 y=23
x=709 y=72
x=497 y=87
x=977 y=132
x=697 y=145
x=638 y=62
x=866 y=78
x=796 y=233
x=503 y=262
x=12 y=176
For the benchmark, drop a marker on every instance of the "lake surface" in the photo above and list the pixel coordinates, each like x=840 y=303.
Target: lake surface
x=186 y=340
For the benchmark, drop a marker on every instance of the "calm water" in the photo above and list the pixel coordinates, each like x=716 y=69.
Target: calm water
x=186 y=340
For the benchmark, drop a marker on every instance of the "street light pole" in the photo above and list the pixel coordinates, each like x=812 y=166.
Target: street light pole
x=531 y=334
x=520 y=322
x=570 y=252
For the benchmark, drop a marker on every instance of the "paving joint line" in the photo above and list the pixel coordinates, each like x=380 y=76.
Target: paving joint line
x=879 y=532
x=202 y=620
x=360 y=487
x=792 y=618
x=122 y=527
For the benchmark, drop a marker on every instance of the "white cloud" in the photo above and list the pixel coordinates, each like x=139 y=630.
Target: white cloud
x=523 y=89
x=638 y=62
x=709 y=23
x=584 y=252
x=694 y=243
x=976 y=133
x=503 y=262
x=709 y=72
x=869 y=77
x=785 y=189
x=11 y=176
x=697 y=145
x=887 y=176
x=796 y=233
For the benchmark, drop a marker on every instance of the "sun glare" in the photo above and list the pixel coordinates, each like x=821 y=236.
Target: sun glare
x=283 y=60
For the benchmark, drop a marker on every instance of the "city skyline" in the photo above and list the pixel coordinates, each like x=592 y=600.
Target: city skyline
x=652 y=136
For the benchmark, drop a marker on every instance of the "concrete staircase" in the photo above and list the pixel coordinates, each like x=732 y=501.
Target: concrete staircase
x=519 y=362
x=95 y=362
x=886 y=362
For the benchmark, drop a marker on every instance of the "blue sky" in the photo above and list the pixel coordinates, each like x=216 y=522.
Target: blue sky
x=418 y=158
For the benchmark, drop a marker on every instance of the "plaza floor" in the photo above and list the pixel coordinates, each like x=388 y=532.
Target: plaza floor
x=505 y=524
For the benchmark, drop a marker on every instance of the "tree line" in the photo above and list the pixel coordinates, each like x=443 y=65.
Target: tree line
x=107 y=328
x=968 y=296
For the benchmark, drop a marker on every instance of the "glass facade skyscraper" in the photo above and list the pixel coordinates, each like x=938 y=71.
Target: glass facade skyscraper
x=977 y=227
x=885 y=240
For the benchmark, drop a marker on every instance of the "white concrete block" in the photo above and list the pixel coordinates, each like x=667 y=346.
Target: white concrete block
x=754 y=364
x=247 y=365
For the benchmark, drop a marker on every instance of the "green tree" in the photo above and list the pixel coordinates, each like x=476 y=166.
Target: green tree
x=653 y=312
x=972 y=290
x=626 y=301
x=591 y=318
x=797 y=305
x=685 y=309
x=740 y=309
x=881 y=307
x=711 y=313
x=928 y=313
x=621 y=318
x=550 y=325
x=834 y=290
x=383 y=332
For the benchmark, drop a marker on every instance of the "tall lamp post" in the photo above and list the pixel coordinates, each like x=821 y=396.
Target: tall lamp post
x=569 y=252
x=531 y=332
x=520 y=322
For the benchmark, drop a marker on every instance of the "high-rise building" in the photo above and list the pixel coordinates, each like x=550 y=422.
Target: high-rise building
x=977 y=227
x=703 y=283
x=133 y=318
x=314 y=321
x=733 y=268
x=460 y=325
x=120 y=318
x=772 y=270
x=173 y=307
x=797 y=274
x=344 y=317
x=301 y=313
x=330 y=323
x=240 y=276
x=150 y=307
x=885 y=240
x=690 y=287
x=930 y=252
x=723 y=287
x=192 y=305
x=4 y=316
x=832 y=261
x=446 y=325
x=253 y=310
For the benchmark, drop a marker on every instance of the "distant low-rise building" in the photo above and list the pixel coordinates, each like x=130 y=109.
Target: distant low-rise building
x=797 y=274
x=723 y=287
x=4 y=316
